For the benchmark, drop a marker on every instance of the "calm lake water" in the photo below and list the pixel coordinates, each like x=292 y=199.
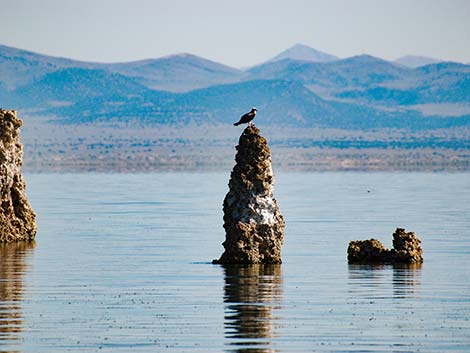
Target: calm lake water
x=122 y=264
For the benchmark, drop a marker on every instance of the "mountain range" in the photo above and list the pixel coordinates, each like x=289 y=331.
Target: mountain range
x=300 y=87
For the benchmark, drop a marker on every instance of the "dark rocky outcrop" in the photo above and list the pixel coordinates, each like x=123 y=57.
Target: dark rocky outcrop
x=406 y=249
x=253 y=224
x=17 y=218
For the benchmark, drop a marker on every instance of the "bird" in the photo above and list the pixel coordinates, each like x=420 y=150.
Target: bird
x=246 y=118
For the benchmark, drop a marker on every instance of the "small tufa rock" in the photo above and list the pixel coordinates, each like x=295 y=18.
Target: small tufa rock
x=253 y=224
x=17 y=218
x=406 y=246
x=367 y=251
x=406 y=249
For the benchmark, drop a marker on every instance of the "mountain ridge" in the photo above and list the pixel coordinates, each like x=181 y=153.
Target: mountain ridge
x=288 y=89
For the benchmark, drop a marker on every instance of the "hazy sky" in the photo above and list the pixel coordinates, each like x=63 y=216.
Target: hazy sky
x=237 y=32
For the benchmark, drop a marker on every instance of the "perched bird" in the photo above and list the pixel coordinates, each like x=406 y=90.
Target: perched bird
x=247 y=117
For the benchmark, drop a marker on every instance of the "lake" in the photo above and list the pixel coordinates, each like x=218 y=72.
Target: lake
x=122 y=264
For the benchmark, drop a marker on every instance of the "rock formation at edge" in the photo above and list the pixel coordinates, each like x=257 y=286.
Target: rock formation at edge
x=17 y=218
x=406 y=249
x=253 y=224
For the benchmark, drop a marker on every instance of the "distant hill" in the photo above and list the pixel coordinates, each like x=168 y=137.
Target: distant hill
x=445 y=82
x=364 y=70
x=182 y=72
x=70 y=85
x=414 y=61
x=19 y=67
x=304 y=53
x=178 y=73
x=360 y=70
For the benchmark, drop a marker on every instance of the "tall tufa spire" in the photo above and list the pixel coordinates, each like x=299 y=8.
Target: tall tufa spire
x=17 y=218
x=253 y=223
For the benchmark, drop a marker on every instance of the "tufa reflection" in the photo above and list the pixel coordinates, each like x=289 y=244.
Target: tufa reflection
x=13 y=264
x=252 y=294
x=406 y=278
x=374 y=280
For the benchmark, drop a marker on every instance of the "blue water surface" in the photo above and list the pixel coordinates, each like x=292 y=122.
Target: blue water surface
x=122 y=264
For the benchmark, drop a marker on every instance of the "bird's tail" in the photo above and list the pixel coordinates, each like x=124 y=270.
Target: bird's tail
x=236 y=124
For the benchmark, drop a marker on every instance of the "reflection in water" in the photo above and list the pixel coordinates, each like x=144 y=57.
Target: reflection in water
x=12 y=266
x=251 y=294
x=372 y=280
x=406 y=277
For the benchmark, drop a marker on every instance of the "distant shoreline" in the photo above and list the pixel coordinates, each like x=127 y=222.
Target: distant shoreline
x=135 y=148
x=285 y=160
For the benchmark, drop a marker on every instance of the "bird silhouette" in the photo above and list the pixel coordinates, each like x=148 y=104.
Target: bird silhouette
x=246 y=118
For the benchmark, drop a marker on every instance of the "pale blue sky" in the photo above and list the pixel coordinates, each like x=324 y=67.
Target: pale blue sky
x=238 y=32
